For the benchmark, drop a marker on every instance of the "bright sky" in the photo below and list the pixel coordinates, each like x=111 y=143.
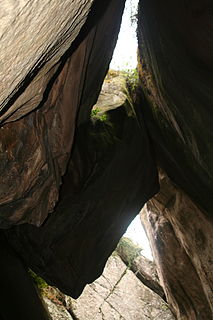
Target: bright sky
x=137 y=234
x=125 y=54
x=125 y=57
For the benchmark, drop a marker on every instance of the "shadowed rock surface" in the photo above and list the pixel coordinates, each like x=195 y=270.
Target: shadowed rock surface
x=30 y=181
x=19 y=298
x=176 y=50
x=102 y=184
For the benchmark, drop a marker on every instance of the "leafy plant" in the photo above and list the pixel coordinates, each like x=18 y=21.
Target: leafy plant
x=94 y=112
x=38 y=281
x=98 y=114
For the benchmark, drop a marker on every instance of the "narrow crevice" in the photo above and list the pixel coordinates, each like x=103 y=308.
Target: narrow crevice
x=112 y=290
x=71 y=312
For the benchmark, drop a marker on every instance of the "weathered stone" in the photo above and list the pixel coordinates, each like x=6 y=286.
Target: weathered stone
x=182 y=242
x=34 y=150
x=103 y=180
x=112 y=93
x=176 y=50
x=144 y=269
x=118 y=294
x=33 y=37
x=175 y=71
x=57 y=311
x=110 y=171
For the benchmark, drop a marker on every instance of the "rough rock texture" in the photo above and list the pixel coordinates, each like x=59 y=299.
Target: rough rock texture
x=144 y=269
x=182 y=242
x=112 y=93
x=104 y=183
x=116 y=294
x=30 y=180
x=175 y=53
x=33 y=37
x=57 y=311
x=176 y=50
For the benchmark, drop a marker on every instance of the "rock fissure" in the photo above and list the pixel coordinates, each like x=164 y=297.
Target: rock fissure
x=112 y=291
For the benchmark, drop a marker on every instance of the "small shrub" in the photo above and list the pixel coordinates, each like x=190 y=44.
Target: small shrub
x=128 y=250
x=38 y=281
x=96 y=113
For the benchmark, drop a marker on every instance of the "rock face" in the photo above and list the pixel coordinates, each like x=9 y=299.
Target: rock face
x=73 y=245
x=175 y=52
x=116 y=294
x=56 y=310
x=175 y=68
x=144 y=269
x=31 y=180
x=182 y=243
x=34 y=36
x=112 y=93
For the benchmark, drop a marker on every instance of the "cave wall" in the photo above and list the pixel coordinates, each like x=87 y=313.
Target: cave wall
x=34 y=36
x=175 y=66
x=107 y=166
x=35 y=148
x=105 y=184
x=181 y=239
x=175 y=52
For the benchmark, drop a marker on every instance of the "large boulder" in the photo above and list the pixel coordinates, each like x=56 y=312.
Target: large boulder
x=33 y=37
x=175 y=53
x=182 y=244
x=116 y=294
x=110 y=175
x=35 y=149
x=175 y=66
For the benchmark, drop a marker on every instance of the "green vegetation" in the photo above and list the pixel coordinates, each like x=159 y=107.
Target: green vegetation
x=38 y=281
x=96 y=113
x=127 y=250
x=132 y=79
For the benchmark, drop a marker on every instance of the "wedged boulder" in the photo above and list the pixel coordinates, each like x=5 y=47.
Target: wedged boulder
x=182 y=243
x=110 y=175
x=34 y=150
